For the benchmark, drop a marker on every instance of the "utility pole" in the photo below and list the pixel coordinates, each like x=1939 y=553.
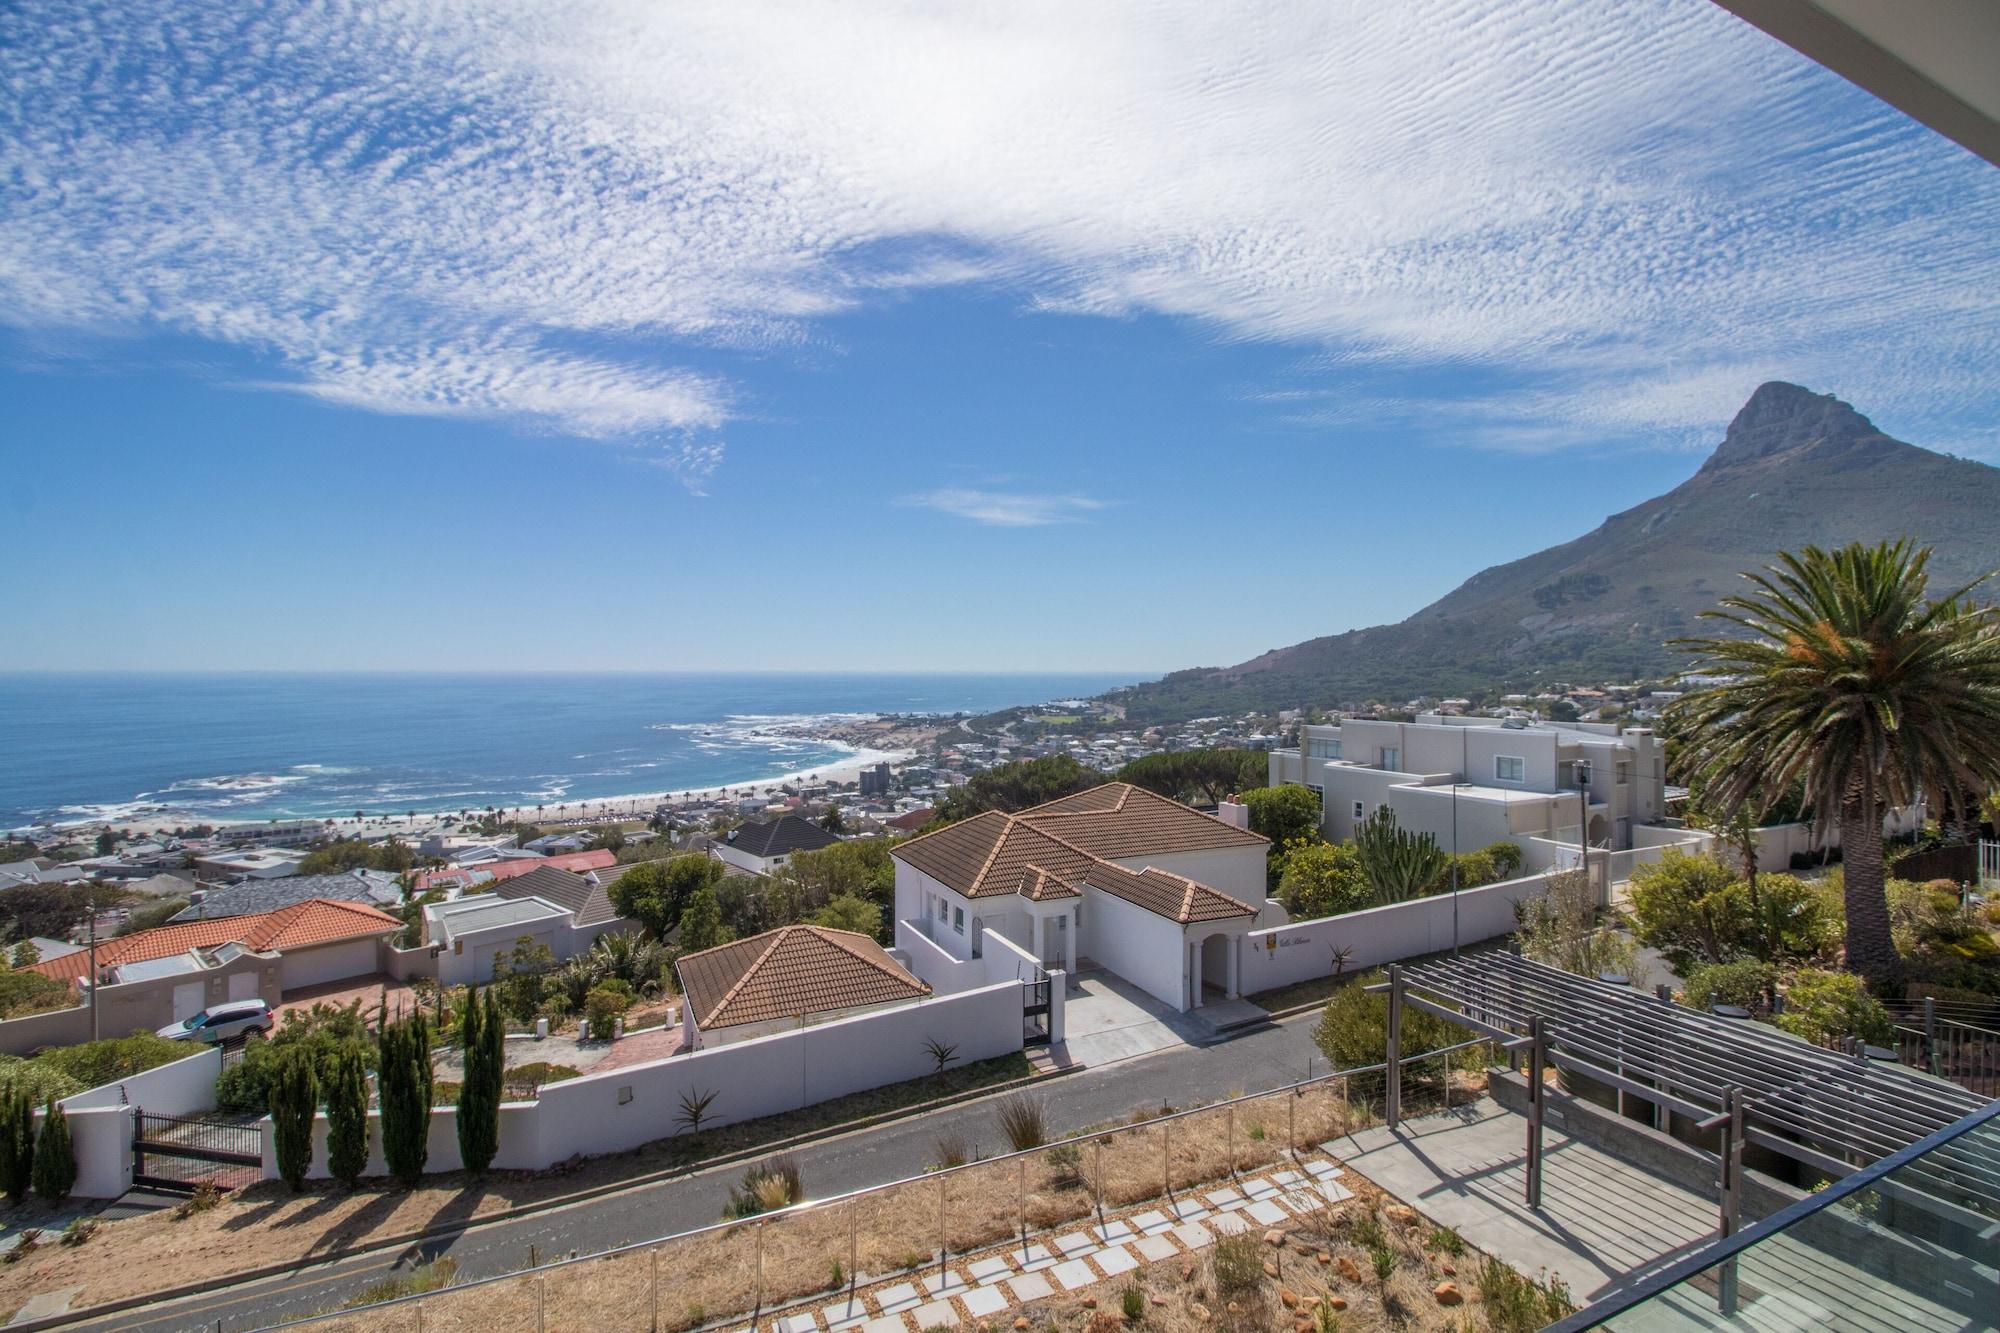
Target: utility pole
x=91 y=899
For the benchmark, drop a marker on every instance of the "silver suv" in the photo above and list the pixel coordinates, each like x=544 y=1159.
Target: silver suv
x=225 y=1022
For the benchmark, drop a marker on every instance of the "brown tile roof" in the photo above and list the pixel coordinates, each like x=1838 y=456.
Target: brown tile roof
x=1051 y=850
x=315 y=921
x=791 y=972
x=1175 y=897
x=1119 y=820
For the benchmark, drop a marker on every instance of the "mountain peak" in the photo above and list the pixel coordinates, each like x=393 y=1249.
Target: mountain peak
x=1781 y=417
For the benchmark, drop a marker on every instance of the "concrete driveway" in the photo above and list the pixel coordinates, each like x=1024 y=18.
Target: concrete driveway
x=1106 y=1018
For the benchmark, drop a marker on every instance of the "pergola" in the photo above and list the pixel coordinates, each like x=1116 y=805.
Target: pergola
x=1831 y=1110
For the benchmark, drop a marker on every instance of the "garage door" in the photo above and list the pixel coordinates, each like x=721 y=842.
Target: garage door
x=187 y=999
x=329 y=962
x=482 y=961
x=243 y=986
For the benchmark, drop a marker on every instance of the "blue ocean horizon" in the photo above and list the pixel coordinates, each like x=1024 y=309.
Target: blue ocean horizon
x=78 y=747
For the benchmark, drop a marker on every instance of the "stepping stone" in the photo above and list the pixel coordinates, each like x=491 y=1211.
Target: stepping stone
x=948 y=1283
x=1073 y=1274
x=1156 y=1248
x=1266 y=1213
x=851 y=1314
x=1033 y=1259
x=1187 y=1210
x=1222 y=1198
x=1115 y=1233
x=1115 y=1260
x=1323 y=1169
x=1074 y=1244
x=1260 y=1189
x=1193 y=1235
x=1227 y=1224
x=989 y=1270
x=888 y=1323
x=1030 y=1287
x=937 y=1314
x=1302 y=1202
x=1286 y=1179
x=984 y=1301
x=1152 y=1222
x=894 y=1300
x=1335 y=1193
x=798 y=1323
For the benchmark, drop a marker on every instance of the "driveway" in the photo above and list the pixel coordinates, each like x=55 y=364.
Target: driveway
x=371 y=990
x=1106 y=1019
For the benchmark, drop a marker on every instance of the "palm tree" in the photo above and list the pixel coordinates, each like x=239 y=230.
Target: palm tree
x=1848 y=681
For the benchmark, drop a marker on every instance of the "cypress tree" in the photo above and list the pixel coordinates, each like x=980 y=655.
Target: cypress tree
x=405 y=1082
x=55 y=1160
x=294 y=1100
x=347 y=1116
x=17 y=1143
x=479 y=1095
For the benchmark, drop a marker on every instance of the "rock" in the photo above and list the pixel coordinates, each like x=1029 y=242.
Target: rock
x=1334 y=1303
x=1289 y=1297
x=1447 y=1269
x=1187 y=1271
x=1447 y=1293
x=1349 y=1269
x=1274 y=1237
x=1233 y=1308
x=1403 y=1213
x=1159 y=1300
x=1270 y=1269
x=1324 y=1257
x=1090 y=1302
x=1022 y=1322
x=1302 y=1326
x=1200 y=1312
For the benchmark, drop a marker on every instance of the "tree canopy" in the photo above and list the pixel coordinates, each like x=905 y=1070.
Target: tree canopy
x=1017 y=786
x=1284 y=814
x=346 y=854
x=655 y=893
x=1198 y=776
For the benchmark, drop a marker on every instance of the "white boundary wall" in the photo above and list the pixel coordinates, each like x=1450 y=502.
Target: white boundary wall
x=100 y=1119
x=1303 y=950
x=623 y=1108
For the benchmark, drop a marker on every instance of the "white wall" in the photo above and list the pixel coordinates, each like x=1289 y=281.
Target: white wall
x=100 y=1119
x=1237 y=871
x=623 y=1108
x=1147 y=950
x=1304 y=949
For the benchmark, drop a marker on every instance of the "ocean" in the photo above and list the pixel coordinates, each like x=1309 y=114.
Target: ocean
x=84 y=747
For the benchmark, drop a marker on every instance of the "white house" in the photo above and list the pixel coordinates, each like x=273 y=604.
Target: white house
x=548 y=905
x=1471 y=781
x=787 y=978
x=1139 y=884
x=766 y=845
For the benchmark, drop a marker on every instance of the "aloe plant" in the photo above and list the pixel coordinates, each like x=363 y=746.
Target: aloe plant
x=1400 y=864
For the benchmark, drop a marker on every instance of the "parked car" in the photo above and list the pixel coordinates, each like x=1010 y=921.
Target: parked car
x=225 y=1022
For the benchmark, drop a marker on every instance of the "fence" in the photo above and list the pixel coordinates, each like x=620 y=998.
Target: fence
x=822 y=1252
x=1938 y=1038
x=100 y=1119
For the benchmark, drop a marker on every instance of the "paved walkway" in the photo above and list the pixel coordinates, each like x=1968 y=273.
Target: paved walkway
x=1106 y=1018
x=1602 y=1223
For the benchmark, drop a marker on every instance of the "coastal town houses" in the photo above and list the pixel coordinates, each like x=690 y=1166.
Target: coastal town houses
x=763 y=846
x=787 y=978
x=1471 y=781
x=1116 y=876
x=547 y=906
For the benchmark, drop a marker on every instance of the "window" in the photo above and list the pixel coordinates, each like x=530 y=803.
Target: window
x=958 y=919
x=1392 y=758
x=1323 y=749
x=1509 y=768
x=1360 y=812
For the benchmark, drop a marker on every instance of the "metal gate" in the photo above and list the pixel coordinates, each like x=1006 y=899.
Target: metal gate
x=1035 y=1012
x=1989 y=865
x=181 y=1153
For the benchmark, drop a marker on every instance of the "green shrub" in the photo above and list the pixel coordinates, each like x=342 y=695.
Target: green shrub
x=1506 y=857
x=1320 y=879
x=96 y=1063
x=55 y=1158
x=405 y=1083
x=1828 y=1006
x=1238 y=1261
x=347 y=1116
x=1284 y=814
x=602 y=1007
x=765 y=1188
x=1514 y=1304
x=38 y=1080
x=1132 y=1302
x=294 y=1101
x=17 y=1142
x=1353 y=1033
x=24 y=993
x=1746 y=982
x=482 y=1041
x=539 y=1072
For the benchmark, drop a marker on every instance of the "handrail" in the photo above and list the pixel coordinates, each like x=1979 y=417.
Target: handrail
x=1594 y=1315
x=808 y=1205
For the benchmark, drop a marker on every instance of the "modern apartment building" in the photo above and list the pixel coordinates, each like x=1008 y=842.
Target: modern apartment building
x=1470 y=781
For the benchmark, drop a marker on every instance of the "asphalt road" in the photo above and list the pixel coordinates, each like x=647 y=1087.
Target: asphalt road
x=1253 y=1059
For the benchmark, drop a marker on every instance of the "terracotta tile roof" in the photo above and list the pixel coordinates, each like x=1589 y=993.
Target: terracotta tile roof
x=315 y=921
x=1119 y=820
x=1051 y=851
x=986 y=855
x=791 y=972
x=1175 y=897
x=910 y=821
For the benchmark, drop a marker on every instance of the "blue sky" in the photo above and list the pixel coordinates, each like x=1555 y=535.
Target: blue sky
x=884 y=337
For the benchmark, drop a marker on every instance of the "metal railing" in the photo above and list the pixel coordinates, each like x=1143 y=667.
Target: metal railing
x=1966 y=1053
x=767 y=1302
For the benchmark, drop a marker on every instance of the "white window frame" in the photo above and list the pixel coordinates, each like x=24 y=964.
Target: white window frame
x=1360 y=810
x=1520 y=764
x=958 y=920
x=1392 y=758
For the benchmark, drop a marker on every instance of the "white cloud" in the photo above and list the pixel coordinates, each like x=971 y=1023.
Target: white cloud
x=1005 y=509
x=543 y=211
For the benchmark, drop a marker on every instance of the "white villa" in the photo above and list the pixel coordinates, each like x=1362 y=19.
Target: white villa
x=1156 y=892
x=1471 y=781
